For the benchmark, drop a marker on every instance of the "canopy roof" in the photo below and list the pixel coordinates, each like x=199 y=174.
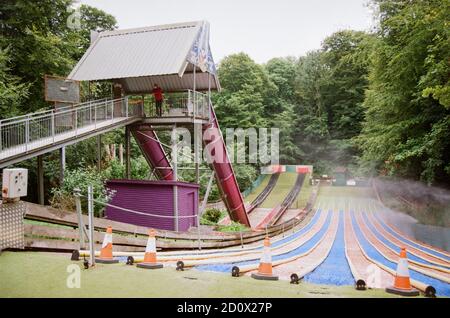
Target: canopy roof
x=139 y=58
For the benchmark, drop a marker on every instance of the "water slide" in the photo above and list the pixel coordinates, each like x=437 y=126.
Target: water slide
x=225 y=177
x=273 y=216
x=262 y=196
x=153 y=151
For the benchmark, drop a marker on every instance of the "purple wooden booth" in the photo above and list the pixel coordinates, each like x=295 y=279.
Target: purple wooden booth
x=153 y=197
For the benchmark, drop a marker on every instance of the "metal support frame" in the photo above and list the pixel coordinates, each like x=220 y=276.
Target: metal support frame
x=127 y=153
x=197 y=151
x=40 y=179
x=62 y=164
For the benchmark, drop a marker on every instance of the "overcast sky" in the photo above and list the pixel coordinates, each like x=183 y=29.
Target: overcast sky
x=261 y=28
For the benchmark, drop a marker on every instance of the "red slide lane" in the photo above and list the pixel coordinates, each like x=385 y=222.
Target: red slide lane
x=226 y=179
x=153 y=151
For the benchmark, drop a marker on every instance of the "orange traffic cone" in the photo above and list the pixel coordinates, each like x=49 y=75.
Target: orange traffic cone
x=150 y=253
x=402 y=284
x=265 y=265
x=106 y=255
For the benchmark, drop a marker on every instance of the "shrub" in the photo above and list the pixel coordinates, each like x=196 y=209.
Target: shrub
x=212 y=215
x=62 y=197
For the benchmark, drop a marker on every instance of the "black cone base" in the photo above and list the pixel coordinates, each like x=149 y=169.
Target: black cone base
x=264 y=277
x=150 y=265
x=402 y=292
x=106 y=261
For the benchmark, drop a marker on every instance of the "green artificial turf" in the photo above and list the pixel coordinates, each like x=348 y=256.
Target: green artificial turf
x=284 y=185
x=38 y=274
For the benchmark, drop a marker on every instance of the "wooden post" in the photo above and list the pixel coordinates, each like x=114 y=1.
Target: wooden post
x=40 y=176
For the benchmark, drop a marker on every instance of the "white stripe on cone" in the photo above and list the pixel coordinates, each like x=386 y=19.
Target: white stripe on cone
x=151 y=245
x=266 y=257
x=402 y=268
x=107 y=240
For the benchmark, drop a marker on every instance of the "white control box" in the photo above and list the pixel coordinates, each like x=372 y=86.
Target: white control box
x=15 y=183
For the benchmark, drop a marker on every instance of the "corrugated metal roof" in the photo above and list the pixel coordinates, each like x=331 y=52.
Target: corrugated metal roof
x=135 y=55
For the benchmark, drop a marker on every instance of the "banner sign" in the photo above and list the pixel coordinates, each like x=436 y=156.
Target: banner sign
x=200 y=53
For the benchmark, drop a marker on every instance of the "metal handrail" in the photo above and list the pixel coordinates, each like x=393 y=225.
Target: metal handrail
x=16 y=134
x=192 y=104
x=42 y=112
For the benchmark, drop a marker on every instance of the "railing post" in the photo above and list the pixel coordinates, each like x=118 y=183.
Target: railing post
x=112 y=110
x=27 y=132
x=126 y=107
x=53 y=125
x=76 y=122
x=95 y=117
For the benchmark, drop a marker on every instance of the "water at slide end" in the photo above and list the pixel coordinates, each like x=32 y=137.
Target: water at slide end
x=410 y=242
x=442 y=288
x=394 y=247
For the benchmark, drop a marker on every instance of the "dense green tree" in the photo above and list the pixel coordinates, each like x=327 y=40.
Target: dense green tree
x=345 y=55
x=407 y=127
x=42 y=40
x=12 y=92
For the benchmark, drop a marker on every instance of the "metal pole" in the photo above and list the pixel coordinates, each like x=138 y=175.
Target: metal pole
x=175 y=175
x=209 y=93
x=127 y=153
x=91 y=225
x=99 y=152
x=197 y=138
x=77 y=193
x=27 y=132
x=40 y=175
x=62 y=164
x=53 y=125
x=195 y=93
x=198 y=232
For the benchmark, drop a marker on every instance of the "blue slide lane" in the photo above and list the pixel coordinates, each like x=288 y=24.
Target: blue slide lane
x=442 y=288
x=412 y=243
x=226 y=267
x=287 y=239
x=396 y=248
x=334 y=270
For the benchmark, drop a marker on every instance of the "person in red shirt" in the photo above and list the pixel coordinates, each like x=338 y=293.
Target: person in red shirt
x=159 y=98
